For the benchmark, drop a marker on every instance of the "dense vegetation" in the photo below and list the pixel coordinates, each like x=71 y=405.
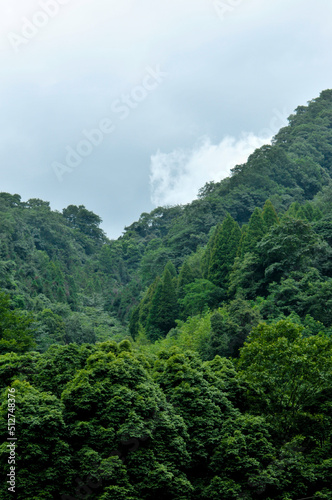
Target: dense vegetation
x=192 y=357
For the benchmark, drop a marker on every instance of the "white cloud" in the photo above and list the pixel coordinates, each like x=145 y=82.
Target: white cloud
x=176 y=177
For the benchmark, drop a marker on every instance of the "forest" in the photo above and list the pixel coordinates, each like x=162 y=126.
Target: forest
x=191 y=358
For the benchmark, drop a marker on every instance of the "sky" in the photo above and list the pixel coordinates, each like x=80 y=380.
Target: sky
x=123 y=105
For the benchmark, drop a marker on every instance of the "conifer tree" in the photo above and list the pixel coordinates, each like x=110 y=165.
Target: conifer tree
x=145 y=304
x=244 y=230
x=170 y=266
x=164 y=307
x=134 y=322
x=269 y=215
x=255 y=232
x=223 y=254
x=293 y=209
x=207 y=255
x=309 y=212
x=186 y=277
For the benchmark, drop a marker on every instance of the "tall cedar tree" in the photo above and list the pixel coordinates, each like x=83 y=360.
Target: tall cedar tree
x=139 y=315
x=170 y=266
x=186 y=277
x=244 y=230
x=269 y=215
x=205 y=264
x=146 y=302
x=134 y=322
x=163 y=312
x=223 y=254
x=254 y=233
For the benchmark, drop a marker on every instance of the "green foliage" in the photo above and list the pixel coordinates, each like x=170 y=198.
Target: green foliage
x=254 y=233
x=163 y=310
x=190 y=335
x=269 y=215
x=198 y=297
x=112 y=404
x=57 y=367
x=288 y=374
x=201 y=406
x=134 y=322
x=230 y=327
x=50 y=329
x=84 y=220
x=289 y=246
x=223 y=252
x=307 y=212
x=247 y=277
x=44 y=454
x=186 y=276
x=144 y=309
x=16 y=334
x=240 y=462
x=206 y=257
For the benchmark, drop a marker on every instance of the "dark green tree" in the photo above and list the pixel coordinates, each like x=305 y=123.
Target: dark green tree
x=227 y=239
x=198 y=297
x=122 y=429
x=197 y=400
x=164 y=308
x=84 y=220
x=45 y=460
x=186 y=276
x=289 y=247
x=288 y=375
x=269 y=215
x=254 y=233
x=145 y=304
x=171 y=268
x=50 y=329
x=230 y=327
x=134 y=322
x=16 y=334
x=206 y=258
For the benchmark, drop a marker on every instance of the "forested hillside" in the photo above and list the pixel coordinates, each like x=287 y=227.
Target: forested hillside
x=192 y=357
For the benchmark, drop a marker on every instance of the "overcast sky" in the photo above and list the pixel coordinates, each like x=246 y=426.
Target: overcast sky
x=124 y=105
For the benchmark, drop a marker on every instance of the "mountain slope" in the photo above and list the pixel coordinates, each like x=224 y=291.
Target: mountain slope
x=64 y=262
